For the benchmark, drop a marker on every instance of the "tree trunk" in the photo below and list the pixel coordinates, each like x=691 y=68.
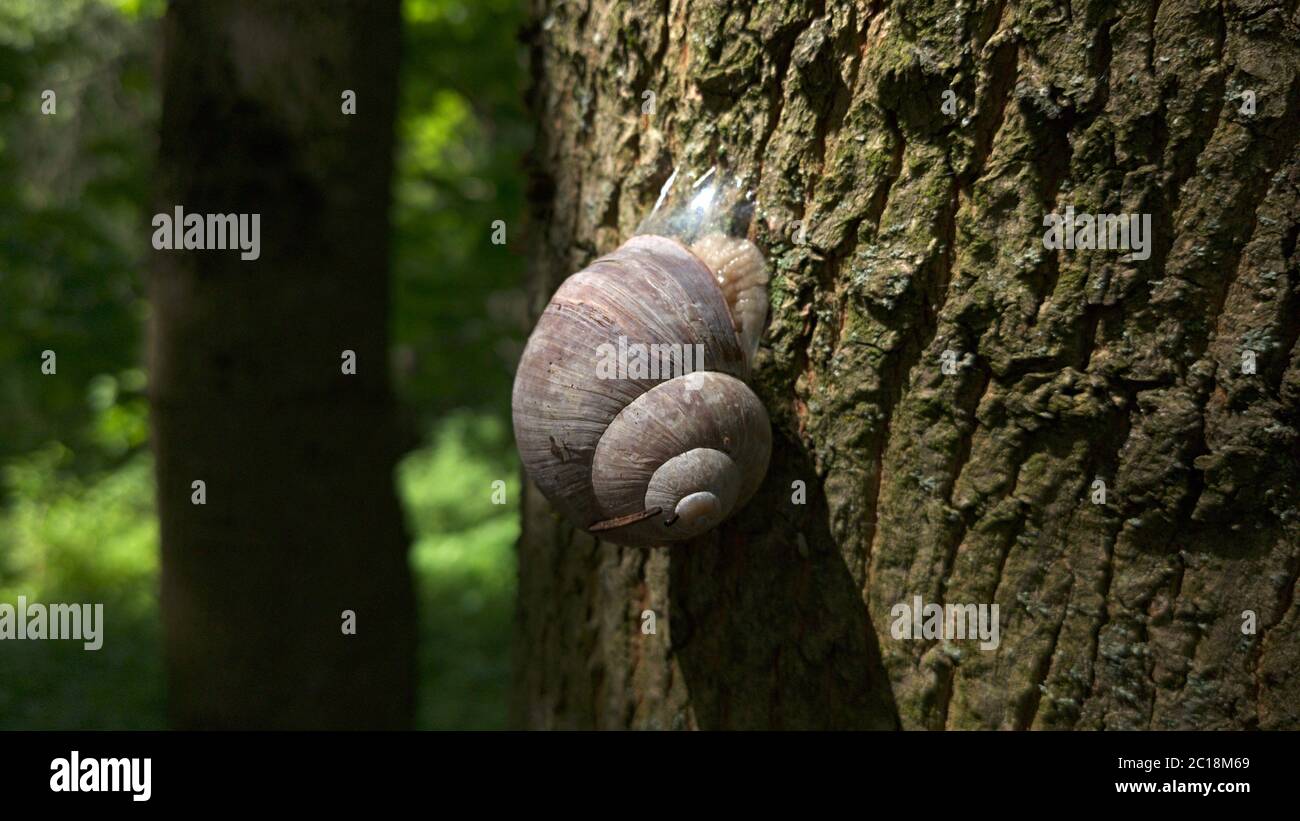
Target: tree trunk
x=301 y=521
x=925 y=235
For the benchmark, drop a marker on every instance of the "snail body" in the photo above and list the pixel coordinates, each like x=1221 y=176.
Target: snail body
x=651 y=455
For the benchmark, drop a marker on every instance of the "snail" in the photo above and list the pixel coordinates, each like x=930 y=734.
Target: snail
x=665 y=446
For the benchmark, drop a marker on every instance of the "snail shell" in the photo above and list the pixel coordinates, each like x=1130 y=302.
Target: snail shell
x=648 y=458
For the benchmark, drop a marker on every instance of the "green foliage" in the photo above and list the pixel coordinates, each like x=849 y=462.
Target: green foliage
x=66 y=538
x=77 y=518
x=72 y=536
x=69 y=539
x=458 y=322
x=77 y=523
x=463 y=558
x=458 y=327
x=70 y=212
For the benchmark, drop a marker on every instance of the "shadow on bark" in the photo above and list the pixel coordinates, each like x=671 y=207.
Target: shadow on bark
x=768 y=626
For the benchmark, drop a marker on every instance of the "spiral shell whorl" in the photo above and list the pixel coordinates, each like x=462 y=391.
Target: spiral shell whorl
x=704 y=432
x=696 y=490
x=605 y=450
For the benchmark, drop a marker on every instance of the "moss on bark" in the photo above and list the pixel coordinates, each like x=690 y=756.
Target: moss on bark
x=924 y=235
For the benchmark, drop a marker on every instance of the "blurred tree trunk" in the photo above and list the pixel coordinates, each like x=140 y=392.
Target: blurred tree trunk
x=301 y=521
x=924 y=234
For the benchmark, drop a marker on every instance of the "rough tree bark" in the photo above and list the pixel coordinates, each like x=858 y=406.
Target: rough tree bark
x=924 y=235
x=301 y=521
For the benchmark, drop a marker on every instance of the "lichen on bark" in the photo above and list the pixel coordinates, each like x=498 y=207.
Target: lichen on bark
x=922 y=233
